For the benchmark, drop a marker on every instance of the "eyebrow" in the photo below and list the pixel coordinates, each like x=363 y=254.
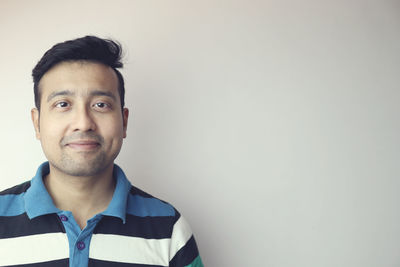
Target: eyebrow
x=103 y=93
x=58 y=93
x=70 y=93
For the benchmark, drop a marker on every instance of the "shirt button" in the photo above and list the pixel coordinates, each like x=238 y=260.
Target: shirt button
x=63 y=218
x=80 y=245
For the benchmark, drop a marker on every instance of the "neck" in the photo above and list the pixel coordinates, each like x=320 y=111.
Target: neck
x=83 y=196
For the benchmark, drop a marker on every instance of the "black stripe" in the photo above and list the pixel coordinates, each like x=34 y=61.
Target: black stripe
x=145 y=227
x=185 y=255
x=16 y=190
x=100 y=263
x=21 y=225
x=56 y=263
x=136 y=191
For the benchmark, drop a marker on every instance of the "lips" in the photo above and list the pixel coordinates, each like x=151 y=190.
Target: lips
x=85 y=145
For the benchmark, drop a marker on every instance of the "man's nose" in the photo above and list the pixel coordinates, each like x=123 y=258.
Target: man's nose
x=83 y=120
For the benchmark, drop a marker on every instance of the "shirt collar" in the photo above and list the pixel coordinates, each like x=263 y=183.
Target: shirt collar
x=38 y=201
x=117 y=206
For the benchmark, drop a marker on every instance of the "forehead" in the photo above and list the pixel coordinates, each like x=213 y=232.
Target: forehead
x=79 y=77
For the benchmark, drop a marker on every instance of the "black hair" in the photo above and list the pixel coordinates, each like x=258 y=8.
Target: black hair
x=88 y=48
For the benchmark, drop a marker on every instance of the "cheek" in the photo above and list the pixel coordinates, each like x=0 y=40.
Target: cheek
x=115 y=128
x=51 y=130
x=115 y=135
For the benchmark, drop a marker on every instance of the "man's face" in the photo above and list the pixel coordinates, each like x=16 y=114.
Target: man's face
x=80 y=125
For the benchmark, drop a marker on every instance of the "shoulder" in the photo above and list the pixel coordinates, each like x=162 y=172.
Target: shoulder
x=160 y=220
x=12 y=201
x=143 y=204
x=16 y=190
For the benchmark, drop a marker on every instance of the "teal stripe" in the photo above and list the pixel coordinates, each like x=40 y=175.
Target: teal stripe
x=196 y=263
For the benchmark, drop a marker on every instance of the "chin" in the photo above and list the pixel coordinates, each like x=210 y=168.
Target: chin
x=83 y=167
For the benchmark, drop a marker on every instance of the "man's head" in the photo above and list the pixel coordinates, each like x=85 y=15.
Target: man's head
x=88 y=48
x=80 y=119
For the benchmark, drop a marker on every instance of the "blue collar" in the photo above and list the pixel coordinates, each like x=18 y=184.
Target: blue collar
x=38 y=201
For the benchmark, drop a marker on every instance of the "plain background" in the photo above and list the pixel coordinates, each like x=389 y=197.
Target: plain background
x=273 y=126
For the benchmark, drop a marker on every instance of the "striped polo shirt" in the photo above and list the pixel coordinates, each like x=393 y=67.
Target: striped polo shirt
x=136 y=229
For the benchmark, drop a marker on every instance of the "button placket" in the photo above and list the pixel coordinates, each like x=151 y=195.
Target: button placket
x=63 y=218
x=80 y=245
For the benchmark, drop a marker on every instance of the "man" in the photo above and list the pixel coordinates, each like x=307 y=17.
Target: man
x=80 y=209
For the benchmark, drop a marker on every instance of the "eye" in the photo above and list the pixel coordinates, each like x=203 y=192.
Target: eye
x=62 y=104
x=101 y=105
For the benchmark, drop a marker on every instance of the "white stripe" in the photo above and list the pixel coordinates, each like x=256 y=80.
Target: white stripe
x=33 y=249
x=180 y=236
x=127 y=249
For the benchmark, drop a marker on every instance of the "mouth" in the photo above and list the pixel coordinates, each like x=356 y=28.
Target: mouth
x=83 y=145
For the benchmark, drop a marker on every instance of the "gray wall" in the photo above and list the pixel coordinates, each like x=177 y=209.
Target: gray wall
x=271 y=125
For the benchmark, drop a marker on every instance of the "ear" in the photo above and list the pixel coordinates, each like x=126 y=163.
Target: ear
x=125 y=115
x=35 y=120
